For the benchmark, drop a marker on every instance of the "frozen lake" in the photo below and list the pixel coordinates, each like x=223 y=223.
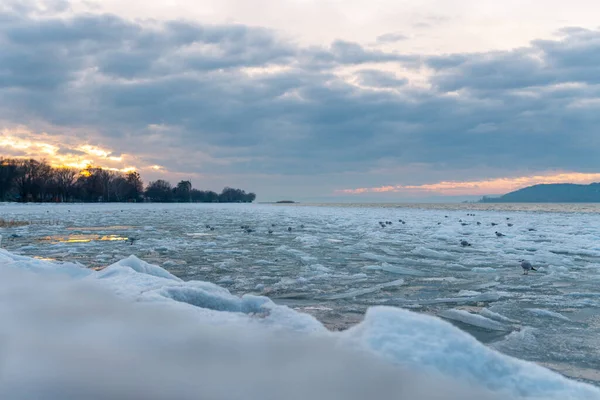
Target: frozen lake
x=338 y=260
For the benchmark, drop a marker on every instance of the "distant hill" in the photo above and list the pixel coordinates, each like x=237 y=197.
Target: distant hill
x=552 y=193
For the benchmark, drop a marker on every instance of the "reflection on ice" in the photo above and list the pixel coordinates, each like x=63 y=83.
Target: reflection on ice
x=83 y=238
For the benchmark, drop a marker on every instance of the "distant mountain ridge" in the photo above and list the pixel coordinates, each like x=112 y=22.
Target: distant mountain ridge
x=550 y=193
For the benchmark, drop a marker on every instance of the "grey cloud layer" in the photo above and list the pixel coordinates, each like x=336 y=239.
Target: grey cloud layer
x=263 y=104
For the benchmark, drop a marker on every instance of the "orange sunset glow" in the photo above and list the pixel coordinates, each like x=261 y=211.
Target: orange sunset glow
x=482 y=187
x=22 y=143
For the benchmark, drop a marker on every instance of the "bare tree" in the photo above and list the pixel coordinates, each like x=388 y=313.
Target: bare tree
x=64 y=179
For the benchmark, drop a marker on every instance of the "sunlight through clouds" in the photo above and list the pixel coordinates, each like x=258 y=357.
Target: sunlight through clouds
x=23 y=143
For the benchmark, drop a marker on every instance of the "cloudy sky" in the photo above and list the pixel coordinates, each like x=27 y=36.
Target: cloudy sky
x=313 y=100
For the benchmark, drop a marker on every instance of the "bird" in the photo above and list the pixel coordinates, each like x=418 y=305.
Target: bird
x=494 y=224
x=464 y=224
x=531 y=230
x=478 y=223
x=507 y=218
x=289 y=229
x=464 y=243
x=270 y=232
x=302 y=226
x=248 y=230
x=500 y=234
x=509 y=225
x=526 y=265
x=207 y=226
x=212 y=228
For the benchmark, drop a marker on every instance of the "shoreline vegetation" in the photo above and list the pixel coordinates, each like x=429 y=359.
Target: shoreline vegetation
x=29 y=180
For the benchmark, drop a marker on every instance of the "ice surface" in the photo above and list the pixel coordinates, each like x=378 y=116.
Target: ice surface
x=51 y=338
x=342 y=252
x=360 y=292
x=395 y=269
x=547 y=313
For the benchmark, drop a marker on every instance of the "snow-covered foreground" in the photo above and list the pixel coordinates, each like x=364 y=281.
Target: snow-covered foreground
x=337 y=262
x=65 y=335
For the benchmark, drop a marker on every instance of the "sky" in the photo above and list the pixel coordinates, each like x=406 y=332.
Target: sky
x=309 y=100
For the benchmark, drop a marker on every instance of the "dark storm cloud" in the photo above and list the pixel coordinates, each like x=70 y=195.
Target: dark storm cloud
x=258 y=103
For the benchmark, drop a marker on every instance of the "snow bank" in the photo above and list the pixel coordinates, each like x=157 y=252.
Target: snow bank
x=71 y=337
x=423 y=343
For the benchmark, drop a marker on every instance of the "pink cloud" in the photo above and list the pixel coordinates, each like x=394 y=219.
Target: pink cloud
x=482 y=187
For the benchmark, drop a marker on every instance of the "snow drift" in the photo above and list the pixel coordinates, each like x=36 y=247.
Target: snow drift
x=133 y=330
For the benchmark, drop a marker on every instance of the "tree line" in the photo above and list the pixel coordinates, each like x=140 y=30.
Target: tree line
x=29 y=180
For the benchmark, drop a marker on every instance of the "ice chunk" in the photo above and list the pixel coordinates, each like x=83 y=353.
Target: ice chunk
x=143 y=267
x=473 y=319
x=394 y=269
x=425 y=343
x=429 y=253
x=499 y=317
x=467 y=293
x=484 y=297
x=361 y=292
x=547 y=313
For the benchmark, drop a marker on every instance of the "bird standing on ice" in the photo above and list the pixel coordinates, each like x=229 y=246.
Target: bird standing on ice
x=526 y=265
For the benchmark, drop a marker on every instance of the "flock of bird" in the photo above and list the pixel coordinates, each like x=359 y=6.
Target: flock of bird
x=525 y=265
